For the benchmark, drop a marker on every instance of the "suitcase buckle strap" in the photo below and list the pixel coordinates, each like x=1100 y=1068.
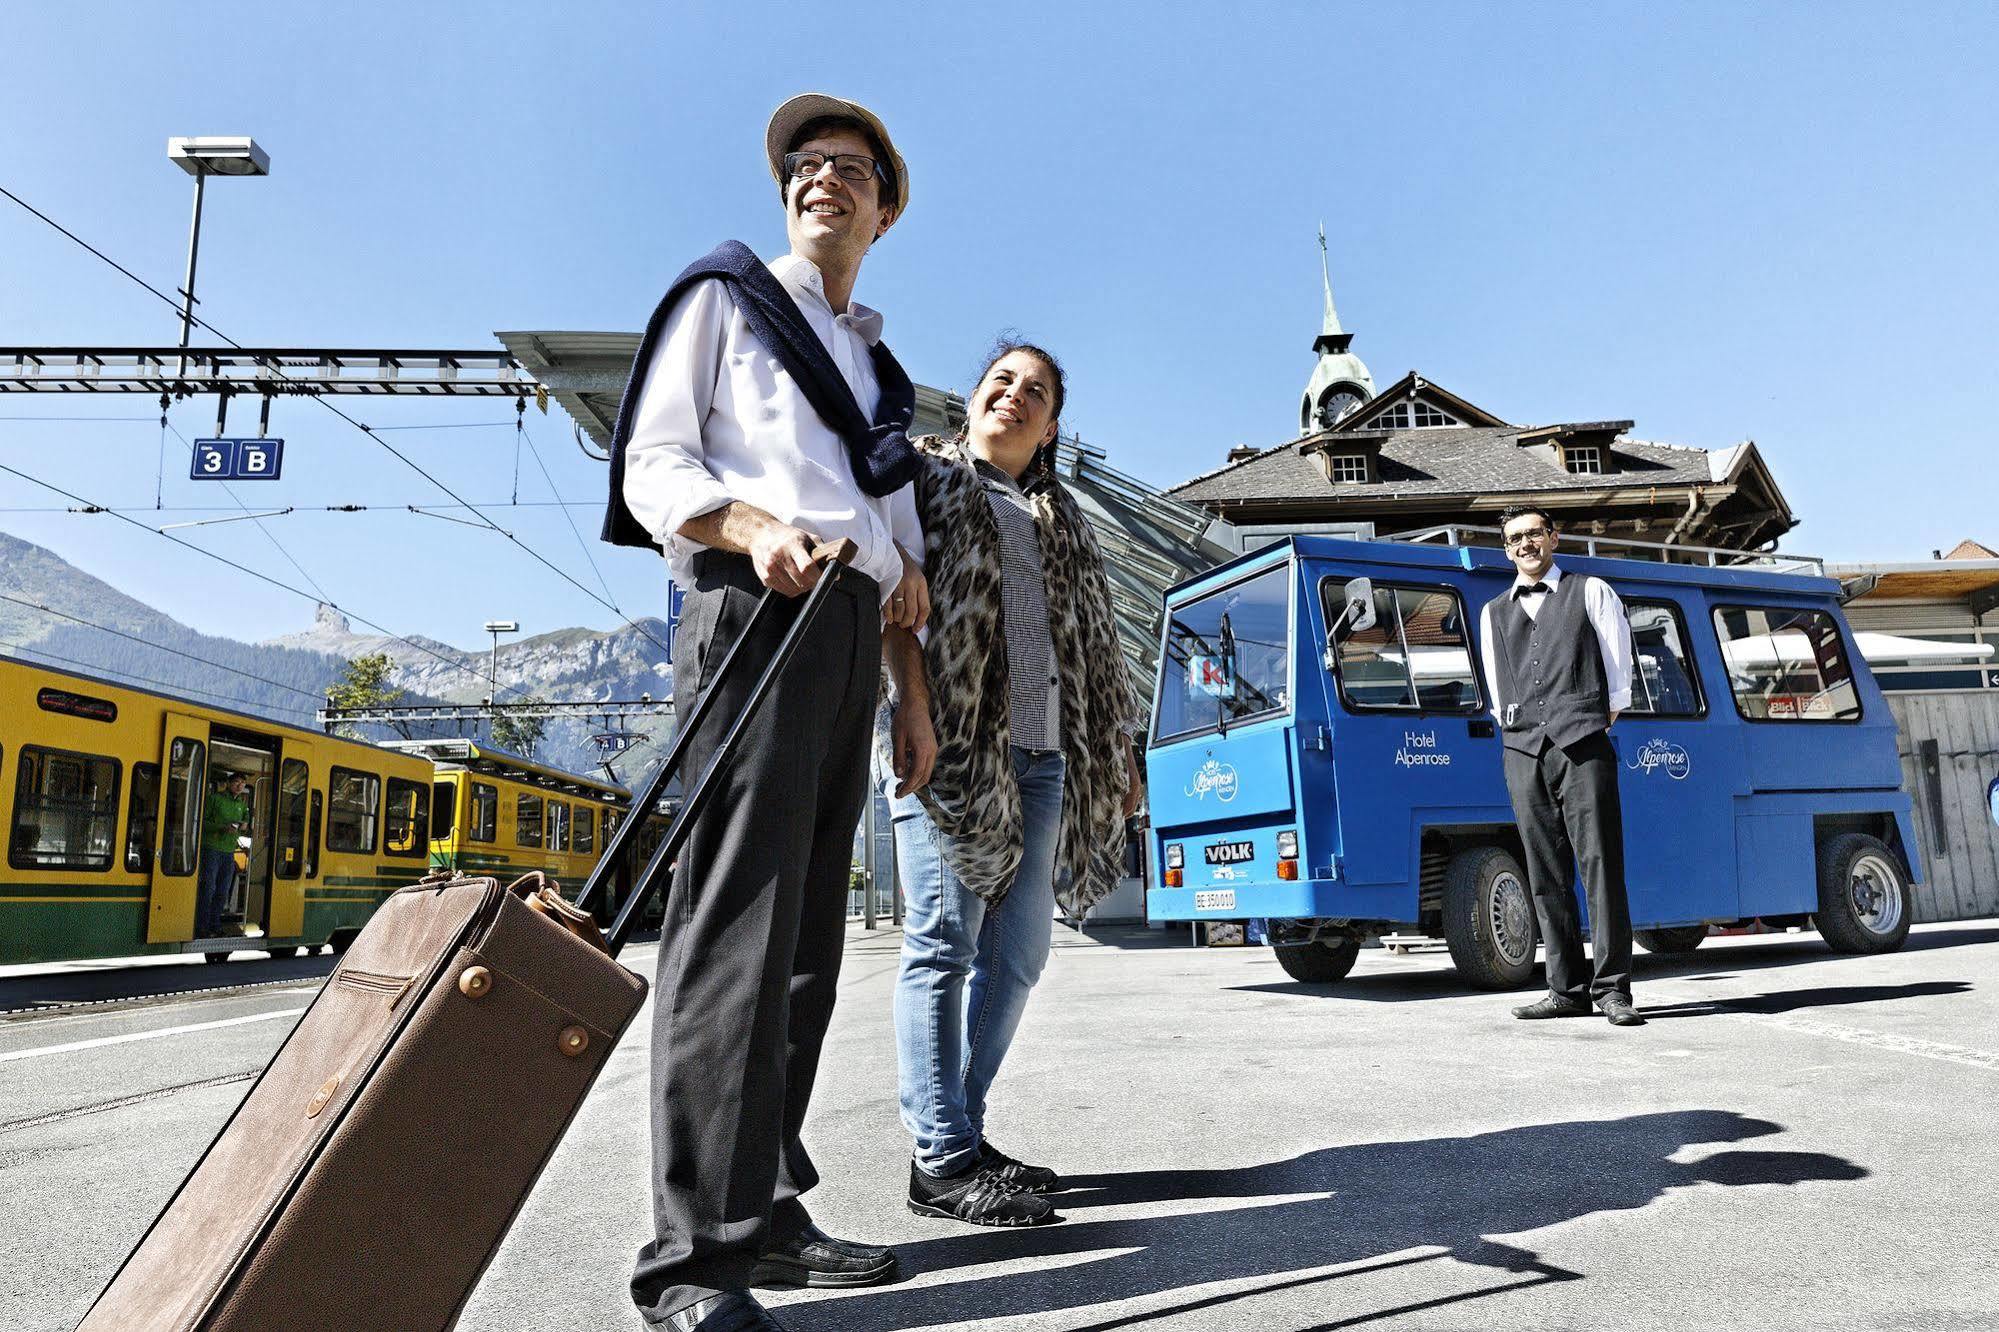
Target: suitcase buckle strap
x=541 y=893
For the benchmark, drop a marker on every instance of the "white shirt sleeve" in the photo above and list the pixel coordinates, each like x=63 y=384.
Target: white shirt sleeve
x=1487 y=659
x=1613 y=636
x=667 y=481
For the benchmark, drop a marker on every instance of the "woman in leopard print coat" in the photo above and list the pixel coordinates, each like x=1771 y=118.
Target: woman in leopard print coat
x=1022 y=695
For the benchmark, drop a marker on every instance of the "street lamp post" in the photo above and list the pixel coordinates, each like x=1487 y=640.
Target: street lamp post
x=202 y=158
x=496 y=628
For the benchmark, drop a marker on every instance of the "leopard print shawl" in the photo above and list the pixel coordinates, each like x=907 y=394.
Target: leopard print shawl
x=973 y=797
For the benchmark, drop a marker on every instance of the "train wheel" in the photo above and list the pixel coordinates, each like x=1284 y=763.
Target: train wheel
x=1672 y=940
x=1863 y=895
x=1321 y=961
x=1489 y=918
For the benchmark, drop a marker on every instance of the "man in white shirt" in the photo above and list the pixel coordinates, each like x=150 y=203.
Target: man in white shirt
x=730 y=469
x=1557 y=656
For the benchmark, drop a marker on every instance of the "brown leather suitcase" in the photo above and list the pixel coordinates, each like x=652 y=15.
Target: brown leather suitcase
x=370 y=1174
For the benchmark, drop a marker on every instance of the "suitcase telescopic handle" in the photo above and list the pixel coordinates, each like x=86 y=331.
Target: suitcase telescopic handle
x=836 y=556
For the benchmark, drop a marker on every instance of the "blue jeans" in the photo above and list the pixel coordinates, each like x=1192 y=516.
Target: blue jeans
x=218 y=871
x=967 y=968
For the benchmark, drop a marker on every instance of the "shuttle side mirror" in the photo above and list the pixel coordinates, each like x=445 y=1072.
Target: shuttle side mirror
x=1356 y=615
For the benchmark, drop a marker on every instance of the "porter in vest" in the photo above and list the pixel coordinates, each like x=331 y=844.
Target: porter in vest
x=1557 y=655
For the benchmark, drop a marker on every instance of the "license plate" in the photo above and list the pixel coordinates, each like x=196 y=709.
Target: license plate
x=1230 y=853
x=1221 y=899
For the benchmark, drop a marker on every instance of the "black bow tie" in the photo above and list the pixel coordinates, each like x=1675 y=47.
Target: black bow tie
x=1519 y=592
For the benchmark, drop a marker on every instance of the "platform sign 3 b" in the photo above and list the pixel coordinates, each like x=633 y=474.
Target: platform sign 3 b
x=236 y=460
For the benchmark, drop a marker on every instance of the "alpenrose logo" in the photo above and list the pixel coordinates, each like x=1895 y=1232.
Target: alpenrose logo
x=1656 y=753
x=1215 y=776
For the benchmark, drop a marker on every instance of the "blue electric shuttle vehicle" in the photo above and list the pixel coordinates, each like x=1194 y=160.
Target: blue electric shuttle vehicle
x=1323 y=757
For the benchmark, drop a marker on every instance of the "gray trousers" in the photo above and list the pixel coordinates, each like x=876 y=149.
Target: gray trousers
x=1566 y=805
x=749 y=957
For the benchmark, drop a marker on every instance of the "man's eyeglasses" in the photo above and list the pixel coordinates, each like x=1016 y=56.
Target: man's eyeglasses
x=1531 y=534
x=856 y=167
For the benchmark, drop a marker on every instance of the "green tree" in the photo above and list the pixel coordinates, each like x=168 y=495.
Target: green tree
x=364 y=684
x=519 y=733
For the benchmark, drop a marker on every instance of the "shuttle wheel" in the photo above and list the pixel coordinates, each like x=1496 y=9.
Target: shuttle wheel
x=1863 y=895
x=1489 y=918
x=1673 y=939
x=215 y=957
x=1321 y=961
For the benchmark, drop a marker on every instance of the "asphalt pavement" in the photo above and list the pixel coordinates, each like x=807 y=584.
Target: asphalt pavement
x=1796 y=1141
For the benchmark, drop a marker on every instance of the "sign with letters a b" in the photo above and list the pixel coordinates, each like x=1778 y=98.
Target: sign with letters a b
x=236 y=460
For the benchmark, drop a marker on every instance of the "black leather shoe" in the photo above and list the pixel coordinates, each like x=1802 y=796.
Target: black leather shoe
x=814 y=1258
x=731 y=1311
x=1620 y=1011
x=1026 y=1178
x=1551 y=1007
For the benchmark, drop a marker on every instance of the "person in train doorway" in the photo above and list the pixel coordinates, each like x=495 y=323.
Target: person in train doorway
x=225 y=817
x=1557 y=656
x=764 y=417
x=1021 y=692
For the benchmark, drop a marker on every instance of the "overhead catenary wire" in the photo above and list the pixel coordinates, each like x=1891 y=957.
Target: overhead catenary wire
x=280 y=375
x=178 y=652
x=228 y=490
x=261 y=577
x=520 y=427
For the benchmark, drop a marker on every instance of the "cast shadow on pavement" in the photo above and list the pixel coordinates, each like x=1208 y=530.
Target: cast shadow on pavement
x=1789 y=1001
x=1363 y=1202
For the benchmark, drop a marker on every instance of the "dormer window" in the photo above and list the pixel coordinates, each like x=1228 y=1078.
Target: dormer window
x=1346 y=467
x=1415 y=415
x=1583 y=459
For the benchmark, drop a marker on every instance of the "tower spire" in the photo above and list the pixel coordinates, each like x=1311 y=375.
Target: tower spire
x=1331 y=326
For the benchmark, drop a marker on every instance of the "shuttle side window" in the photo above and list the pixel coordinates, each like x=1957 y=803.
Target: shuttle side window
x=407 y=824
x=484 y=824
x=586 y=830
x=1664 y=682
x=291 y=818
x=142 y=817
x=65 y=810
x=1786 y=665
x=187 y=766
x=355 y=801
x=527 y=820
x=1416 y=657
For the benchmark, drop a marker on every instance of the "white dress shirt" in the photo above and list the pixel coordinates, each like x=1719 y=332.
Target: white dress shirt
x=720 y=419
x=1606 y=615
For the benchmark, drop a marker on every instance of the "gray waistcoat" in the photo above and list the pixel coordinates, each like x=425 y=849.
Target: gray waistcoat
x=1552 y=681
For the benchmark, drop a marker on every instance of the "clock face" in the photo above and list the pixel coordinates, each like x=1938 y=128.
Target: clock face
x=1335 y=406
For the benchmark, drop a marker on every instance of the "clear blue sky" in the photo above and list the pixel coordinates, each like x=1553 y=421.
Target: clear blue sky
x=1773 y=222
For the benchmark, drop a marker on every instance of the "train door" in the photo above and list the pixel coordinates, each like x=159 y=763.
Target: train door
x=294 y=869
x=234 y=752
x=183 y=796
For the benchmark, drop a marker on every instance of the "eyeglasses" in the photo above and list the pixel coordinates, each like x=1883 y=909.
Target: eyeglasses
x=1531 y=534
x=848 y=166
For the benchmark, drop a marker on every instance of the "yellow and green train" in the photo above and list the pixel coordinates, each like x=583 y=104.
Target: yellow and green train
x=103 y=787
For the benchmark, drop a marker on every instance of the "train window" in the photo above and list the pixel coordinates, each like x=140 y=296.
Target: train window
x=354 y=804
x=291 y=818
x=1415 y=658
x=610 y=824
x=312 y=837
x=180 y=843
x=142 y=817
x=485 y=821
x=407 y=824
x=558 y=826
x=1664 y=682
x=586 y=830
x=1786 y=665
x=65 y=810
x=527 y=820
x=443 y=809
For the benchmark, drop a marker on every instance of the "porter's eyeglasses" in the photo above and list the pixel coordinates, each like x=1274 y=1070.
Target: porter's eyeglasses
x=848 y=166
x=1531 y=534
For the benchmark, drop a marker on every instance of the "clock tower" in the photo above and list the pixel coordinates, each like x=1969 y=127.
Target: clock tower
x=1339 y=382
